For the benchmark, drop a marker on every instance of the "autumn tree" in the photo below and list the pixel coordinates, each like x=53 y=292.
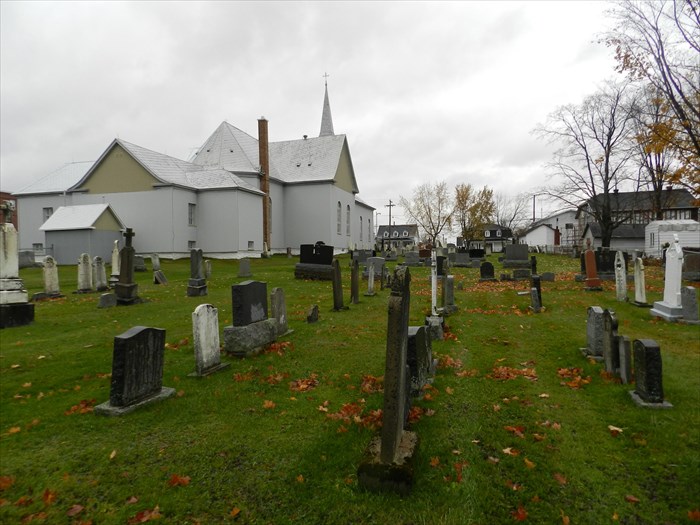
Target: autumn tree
x=511 y=211
x=473 y=210
x=660 y=42
x=431 y=208
x=593 y=152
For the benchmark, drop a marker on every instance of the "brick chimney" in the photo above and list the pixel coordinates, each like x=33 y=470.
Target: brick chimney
x=263 y=153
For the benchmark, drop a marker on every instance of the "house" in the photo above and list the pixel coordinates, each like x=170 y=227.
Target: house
x=559 y=229
x=496 y=237
x=87 y=228
x=237 y=194
x=659 y=234
x=626 y=237
x=397 y=236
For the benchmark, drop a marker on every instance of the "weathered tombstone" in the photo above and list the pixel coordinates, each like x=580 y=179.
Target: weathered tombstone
x=625 y=353
x=15 y=308
x=535 y=304
x=249 y=300
x=207 y=269
x=516 y=256
x=114 y=276
x=244 y=268
x=370 y=281
x=441 y=265
x=448 y=288
x=487 y=272
x=689 y=305
x=521 y=274
x=547 y=276
x=84 y=274
x=197 y=285
x=620 y=277
x=137 y=371
x=387 y=464
x=355 y=282
x=315 y=262
x=533 y=264
x=536 y=283
x=640 y=293
x=278 y=308
x=312 y=314
x=379 y=264
x=50 y=271
x=107 y=300
x=159 y=278
x=139 y=263
x=691 y=266
x=671 y=308
x=461 y=260
x=594 y=333
x=648 y=377
x=420 y=359
x=593 y=283
x=411 y=259
x=337 y=288
x=361 y=255
x=205 y=334
x=99 y=274
x=611 y=356
x=155 y=262
x=126 y=289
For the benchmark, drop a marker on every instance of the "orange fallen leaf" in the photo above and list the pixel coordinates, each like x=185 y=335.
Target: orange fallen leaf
x=14 y=430
x=235 y=511
x=538 y=437
x=6 y=482
x=694 y=515
x=176 y=480
x=269 y=404
x=614 y=431
x=529 y=464
x=434 y=461
x=511 y=451
x=631 y=499
x=146 y=515
x=561 y=479
x=520 y=514
x=300 y=478
x=449 y=390
x=48 y=497
x=132 y=500
x=564 y=518
x=75 y=510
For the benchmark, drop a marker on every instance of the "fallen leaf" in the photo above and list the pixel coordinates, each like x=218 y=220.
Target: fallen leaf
x=496 y=408
x=614 y=431
x=694 y=515
x=132 y=500
x=631 y=499
x=520 y=514
x=75 y=510
x=561 y=479
x=529 y=464
x=6 y=482
x=434 y=461
x=543 y=396
x=14 y=366
x=493 y=460
x=235 y=511
x=615 y=517
x=48 y=497
x=26 y=385
x=300 y=478
x=113 y=454
x=456 y=452
x=176 y=480
x=511 y=451
x=269 y=404
x=449 y=390
x=564 y=518
x=14 y=430
x=538 y=437
x=180 y=393
x=146 y=515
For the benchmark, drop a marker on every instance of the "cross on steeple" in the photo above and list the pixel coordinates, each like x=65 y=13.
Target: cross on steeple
x=325 y=76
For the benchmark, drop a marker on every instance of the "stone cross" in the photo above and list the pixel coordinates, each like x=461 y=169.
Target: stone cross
x=126 y=289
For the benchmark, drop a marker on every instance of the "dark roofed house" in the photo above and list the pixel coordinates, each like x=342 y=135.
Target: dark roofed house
x=397 y=235
x=496 y=237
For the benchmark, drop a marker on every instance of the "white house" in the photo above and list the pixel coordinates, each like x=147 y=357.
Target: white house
x=658 y=233
x=236 y=194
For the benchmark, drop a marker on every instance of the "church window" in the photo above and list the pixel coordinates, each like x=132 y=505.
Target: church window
x=347 y=221
x=47 y=212
x=191 y=214
x=361 y=231
x=339 y=218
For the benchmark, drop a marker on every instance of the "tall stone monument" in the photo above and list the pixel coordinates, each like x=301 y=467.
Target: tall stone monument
x=126 y=289
x=15 y=308
x=671 y=307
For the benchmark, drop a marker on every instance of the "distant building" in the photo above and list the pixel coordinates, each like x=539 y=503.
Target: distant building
x=397 y=236
x=496 y=237
x=559 y=230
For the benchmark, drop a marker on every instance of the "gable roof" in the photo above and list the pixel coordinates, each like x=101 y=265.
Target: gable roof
x=411 y=230
x=59 y=180
x=674 y=198
x=82 y=217
x=313 y=159
x=623 y=231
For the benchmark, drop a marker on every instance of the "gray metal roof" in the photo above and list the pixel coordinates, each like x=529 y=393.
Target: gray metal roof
x=59 y=180
x=307 y=160
x=80 y=217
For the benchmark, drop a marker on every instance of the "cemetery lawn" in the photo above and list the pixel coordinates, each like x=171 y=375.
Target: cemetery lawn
x=517 y=426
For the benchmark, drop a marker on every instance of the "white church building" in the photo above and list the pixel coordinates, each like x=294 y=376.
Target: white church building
x=238 y=194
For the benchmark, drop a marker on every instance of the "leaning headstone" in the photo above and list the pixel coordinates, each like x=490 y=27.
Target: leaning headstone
x=312 y=314
x=620 y=277
x=126 y=289
x=252 y=330
x=159 y=278
x=535 y=304
x=99 y=274
x=689 y=304
x=84 y=274
x=137 y=371
x=337 y=288
x=487 y=272
x=594 y=334
x=355 y=282
x=244 y=268
x=207 y=269
x=205 y=333
x=420 y=359
x=593 y=283
x=107 y=300
x=388 y=461
x=278 y=309
x=114 y=276
x=648 y=377
x=671 y=308
x=197 y=285
x=640 y=293
x=15 y=308
x=155 y=262
x=139 y=263
x=611 y=355
x=50 y=271
x=625 y=353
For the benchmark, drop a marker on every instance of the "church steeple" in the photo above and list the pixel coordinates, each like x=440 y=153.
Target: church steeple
x=326 y=118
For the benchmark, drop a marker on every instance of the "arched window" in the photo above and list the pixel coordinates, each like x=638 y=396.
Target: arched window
x=340 y=218
x=347 y=220
x=360 y=228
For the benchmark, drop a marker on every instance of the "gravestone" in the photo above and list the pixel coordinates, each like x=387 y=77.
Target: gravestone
x=15 y=308
x=547 y=276
x=648 y=377
x=535 y=304
x=611 y=355
x=689 y=305
x=126 y=289
x=691 y=266
x=536 y=283
x=244 y=268
x=625 y=353
x=477 y=253
x=533 y=264
x=197 y=285
x=412 y=259
x=205 y=334
x=139 y=263
x=620 y=277
x=207 y=269
x=388 y=461
x=640 y=293
x=252 y=330
x=521 y=274
x=315 y=262
x=355 y=282
x=487 y=272
x=593 y=283
x=424 y=254
x=155 y=262
x=159 y=278
x=278 y=309
x=137 y=371
x=462 y=260
x=420 y=359
x=441 y=265
x=370 y=281
x=337 y=288
x=312 y=314
x=361 y=255
x=448 y=287
x=671 y=308
x=114 y=276
x=50 y=271
x=107 y=300
x=516 y=256
x=84 y=274
x=379 y=264
x=605 y=263
x=594 y=334
x=99 y=274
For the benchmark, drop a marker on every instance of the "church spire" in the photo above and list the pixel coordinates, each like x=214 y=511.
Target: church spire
x=326 y=118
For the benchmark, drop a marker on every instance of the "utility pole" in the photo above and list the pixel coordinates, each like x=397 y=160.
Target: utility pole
x=390 y=205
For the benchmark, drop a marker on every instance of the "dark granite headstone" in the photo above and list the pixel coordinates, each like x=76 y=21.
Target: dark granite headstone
x=533 y=264
x=249 y=300
x=611 y=355
x=536 y=282
x=648 y=371
x=355 y=282
x=197 y=285
x=691 y=265
x=126 y=289
x=441 y=265
x=487 y=272
x=337 y=287
x=315 y=262
x=420 y=358
x=139 y=263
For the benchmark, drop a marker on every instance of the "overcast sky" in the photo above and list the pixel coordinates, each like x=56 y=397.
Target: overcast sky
x=423 y=90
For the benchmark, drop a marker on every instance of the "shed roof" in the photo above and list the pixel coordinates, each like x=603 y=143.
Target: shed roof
x=82 y=217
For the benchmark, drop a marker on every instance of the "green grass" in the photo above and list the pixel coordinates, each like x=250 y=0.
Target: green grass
x=293 y=464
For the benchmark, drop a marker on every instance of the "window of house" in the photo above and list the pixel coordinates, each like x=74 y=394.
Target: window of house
x=46 y=213
x=395 y=234
x=191 y=214
x=487 y=233
x=347 y=220
x=569 y=226
x=339 y=218
x=360 y=228
x=38 y=247
x=404 y=234
x=651 y=240
x=498 y=233
x=191 y=245
x=386 y=234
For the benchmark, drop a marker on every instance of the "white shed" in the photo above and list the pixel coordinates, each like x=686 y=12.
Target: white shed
x=658 y=233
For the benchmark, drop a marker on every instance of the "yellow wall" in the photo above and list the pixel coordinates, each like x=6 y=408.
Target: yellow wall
x=108 y=222
x=345 y=175
x=118 y=173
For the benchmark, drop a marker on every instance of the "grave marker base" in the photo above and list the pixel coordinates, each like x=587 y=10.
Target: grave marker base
x=667 y=312
x=249 y=340
x=211 y=370
x=17 y=314
x=106 y=408
x=645 y=404
x=398 y=476
x=588 y=355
